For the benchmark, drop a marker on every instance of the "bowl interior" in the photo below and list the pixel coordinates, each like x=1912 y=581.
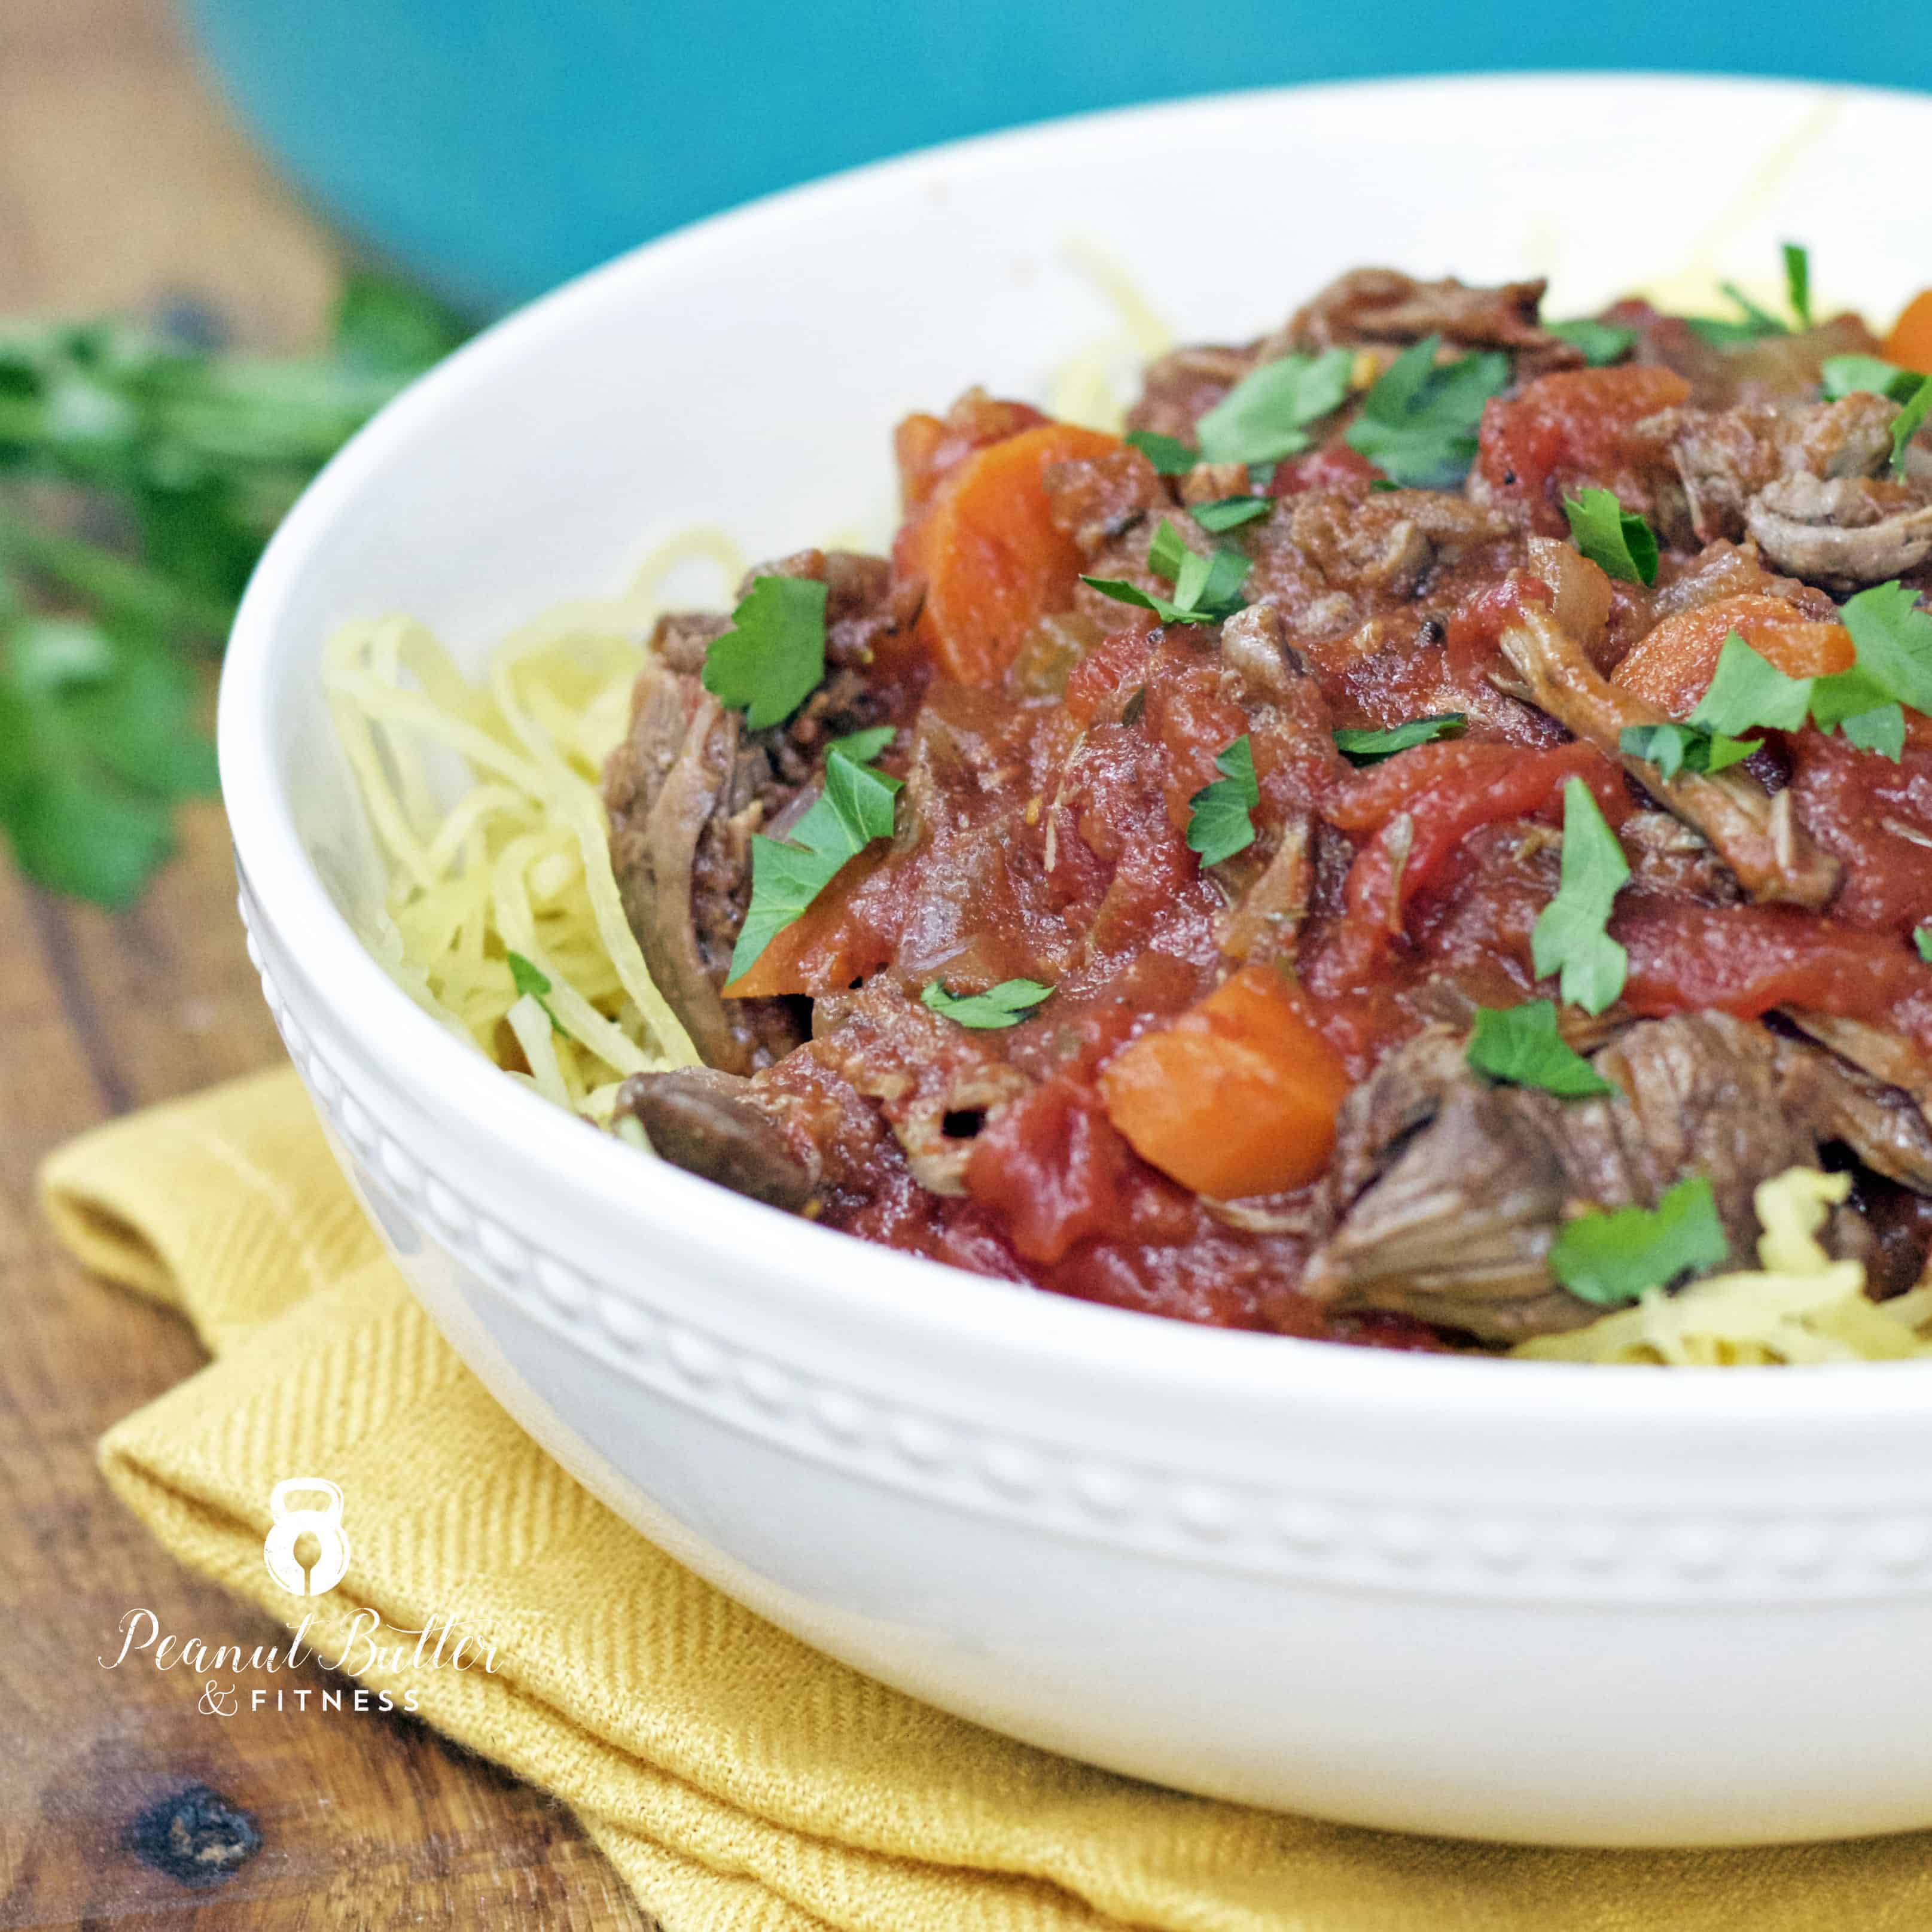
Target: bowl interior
x=746 y=374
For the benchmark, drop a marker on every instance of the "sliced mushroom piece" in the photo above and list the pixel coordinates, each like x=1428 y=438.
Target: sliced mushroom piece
x=1841 y=531
x=709 y=1123
x=1756 y=833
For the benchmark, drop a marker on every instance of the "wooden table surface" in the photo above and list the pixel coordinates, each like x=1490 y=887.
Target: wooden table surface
x=123 y=183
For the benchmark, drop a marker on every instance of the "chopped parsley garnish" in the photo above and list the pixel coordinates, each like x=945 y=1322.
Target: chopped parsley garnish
x=772 y=659
x=1617 y=540
x=1673 y=749
x=854 y=807
x=1005 y=1005
x=1756 y=323
x=1229 y=513
x=1168 y=454
x=531 y=981
x=1370 y=748
x=1601 y=342
x=1846 y=375
x=1613 y=1255
x=1798 y=282
x=1206 y=589
x=1749 y=693
x=1921 y=938
x=1418 y=422
x=1892 y=638
x=1907 y=423
x=1219 y=825
x=1521 y=1044
x=1266 y=415
x=1569 y=936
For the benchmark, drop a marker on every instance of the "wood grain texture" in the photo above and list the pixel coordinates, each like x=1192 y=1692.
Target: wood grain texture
x=122 y=183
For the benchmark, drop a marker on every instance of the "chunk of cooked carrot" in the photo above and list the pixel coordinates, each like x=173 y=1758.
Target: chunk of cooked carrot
x=1673 y=665
x=1238 y=1096
x=994 y=560
x=1909 y=344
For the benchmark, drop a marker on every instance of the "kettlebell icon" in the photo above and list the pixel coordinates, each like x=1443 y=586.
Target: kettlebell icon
x=323 y=1571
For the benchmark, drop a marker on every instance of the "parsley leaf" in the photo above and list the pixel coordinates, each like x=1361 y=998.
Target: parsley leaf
x=1229 y=513
x=1601 y=342
x=1369 y=747
x=1844 y=375
x=1893 y=639
x=99 y=740
x=1206 y=589
x=1419 y=422
x=1757 y=323
x=1569 y=936
x=1218 y=826
x=772 y=659
x=1609 y=1256
x=1168 y=454
x=1749 y=693
x=1907 y=423
x=855 y=807
x=391 y=328
x=1266 y=415
x=1921 y=938
x=530 y=980
x=1005 y=1005
x=1675 y=748
x=1521 y=1044
x=1798 y=282
x=1617 y=540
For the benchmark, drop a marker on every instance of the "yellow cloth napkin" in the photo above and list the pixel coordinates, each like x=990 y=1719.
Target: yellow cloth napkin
x=739 y=1782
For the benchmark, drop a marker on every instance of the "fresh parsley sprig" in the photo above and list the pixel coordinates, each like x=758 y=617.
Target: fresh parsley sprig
x=854 y=807
x=1602 y=343
x=1418 y=422
x=1755 y=323
x=1207 y=589
x=1908 y=422
x=531 y=981
x=1892 y=673
x=1569 y=937
x=1617 y=540
x=1610 y=1256
x=1369 y=747
x=1839 y=376
x=772 y=659
x=1266 y=415
x=1168 y=454
x=1521 y=1045
x=1229 y=513
x=1798 y=281
x=1219 y=823
x=141 y=474
x=1005 y=1005
x=1673 y=749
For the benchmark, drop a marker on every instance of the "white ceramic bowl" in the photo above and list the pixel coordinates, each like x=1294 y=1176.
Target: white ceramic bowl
x=1518 y=1601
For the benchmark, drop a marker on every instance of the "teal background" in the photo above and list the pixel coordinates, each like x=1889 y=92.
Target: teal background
x=497 y=146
